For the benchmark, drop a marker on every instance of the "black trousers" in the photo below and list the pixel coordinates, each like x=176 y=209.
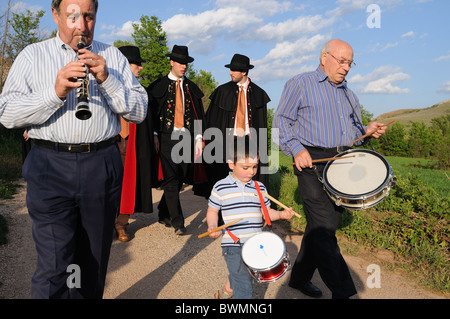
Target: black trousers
x=175 y=174
x=319 y=249
x=72 y=199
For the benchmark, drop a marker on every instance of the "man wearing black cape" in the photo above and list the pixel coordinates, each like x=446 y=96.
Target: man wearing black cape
x=183 y=116
x=223 y=113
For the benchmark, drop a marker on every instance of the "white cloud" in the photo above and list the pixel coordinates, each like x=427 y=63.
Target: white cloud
x=383 y=47
x=445 y=88
x=409 y=34
x=291 y=28
x=21 y=7
x=287 y=59
x=381 y=81
x=442 y=58
x=204 y=29
x=123 y=32
x=260 y=7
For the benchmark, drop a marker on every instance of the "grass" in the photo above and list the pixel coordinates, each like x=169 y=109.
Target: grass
x=412 y=222
x=417 y=115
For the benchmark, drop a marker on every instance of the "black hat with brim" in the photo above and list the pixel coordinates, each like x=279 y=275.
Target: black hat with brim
x=180 y=54
x=240 y=62
x=132 y=53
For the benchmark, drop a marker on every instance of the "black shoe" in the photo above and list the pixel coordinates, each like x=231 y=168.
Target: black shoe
x=180 y=231
x=308 y=289
x=165 y=222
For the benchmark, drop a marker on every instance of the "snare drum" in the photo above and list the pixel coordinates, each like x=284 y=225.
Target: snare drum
x=266 y=257
x=359 y=182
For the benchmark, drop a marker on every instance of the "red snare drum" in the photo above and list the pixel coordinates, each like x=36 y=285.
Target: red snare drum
x=266 y=257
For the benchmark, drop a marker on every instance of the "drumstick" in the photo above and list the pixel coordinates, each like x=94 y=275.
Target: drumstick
x=279 y=203
x=370 y=133
x=220 y=228
x=328 y=159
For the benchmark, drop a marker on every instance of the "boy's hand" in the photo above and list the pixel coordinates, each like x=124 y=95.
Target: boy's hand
x=287 y=213
x=215 y=234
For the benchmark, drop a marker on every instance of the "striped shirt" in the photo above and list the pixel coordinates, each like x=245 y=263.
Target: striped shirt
x=29 y=99
x=313 y=111
x=237 y=200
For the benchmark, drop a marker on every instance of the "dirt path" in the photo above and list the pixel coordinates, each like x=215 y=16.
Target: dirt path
x=156 y=264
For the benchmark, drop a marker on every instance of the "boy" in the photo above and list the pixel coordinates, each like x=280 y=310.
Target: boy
x=236 y=197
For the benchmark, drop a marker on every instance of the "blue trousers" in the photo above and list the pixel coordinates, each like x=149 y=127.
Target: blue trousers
x=239 y=276
x=73 y=200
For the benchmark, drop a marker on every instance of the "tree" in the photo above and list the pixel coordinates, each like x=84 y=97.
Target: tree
x=440 y=131
x=120 y=43
x=393 y=143
x=25 y=31
x=205 y=81
x=22 y=30
x=419 y=140
x=152 y=41
x=366 y=116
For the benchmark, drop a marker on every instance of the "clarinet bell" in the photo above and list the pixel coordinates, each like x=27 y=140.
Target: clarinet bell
x=82 y=111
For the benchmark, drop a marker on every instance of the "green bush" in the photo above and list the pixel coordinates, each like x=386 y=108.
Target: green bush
x=413 y=223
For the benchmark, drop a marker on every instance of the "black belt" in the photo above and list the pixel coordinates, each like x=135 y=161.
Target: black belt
x=75 y=148
x=338 y=149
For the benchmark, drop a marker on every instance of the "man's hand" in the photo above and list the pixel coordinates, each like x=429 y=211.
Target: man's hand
x=95 y=63
x=303 y=159
x=156 y=143
x=378 y=128
x=66 y=78
x=199 y=146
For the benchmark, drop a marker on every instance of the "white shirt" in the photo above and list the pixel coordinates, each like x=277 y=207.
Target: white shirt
x=29 y=99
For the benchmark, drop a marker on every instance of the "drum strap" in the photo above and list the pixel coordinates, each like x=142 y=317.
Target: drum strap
x=263 y=206
x=235 y=238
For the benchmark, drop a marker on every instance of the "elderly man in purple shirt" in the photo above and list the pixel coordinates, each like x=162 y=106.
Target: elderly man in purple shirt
x=317 y=117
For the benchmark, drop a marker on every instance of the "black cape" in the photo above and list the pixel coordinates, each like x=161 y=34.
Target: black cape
x=145 y=163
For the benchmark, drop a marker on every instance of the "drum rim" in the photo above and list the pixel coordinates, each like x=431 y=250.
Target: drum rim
x=362 y=195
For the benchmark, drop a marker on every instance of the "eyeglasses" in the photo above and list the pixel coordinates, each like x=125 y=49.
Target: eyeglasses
x=343 y=62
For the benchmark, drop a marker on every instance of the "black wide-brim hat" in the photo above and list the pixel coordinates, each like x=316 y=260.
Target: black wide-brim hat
x=239 y=62
x=180 y=54
x=132 y=53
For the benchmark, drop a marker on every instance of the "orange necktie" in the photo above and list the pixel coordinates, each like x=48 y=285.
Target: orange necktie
x=240 y=113
x=125 y=128
x=179 y=114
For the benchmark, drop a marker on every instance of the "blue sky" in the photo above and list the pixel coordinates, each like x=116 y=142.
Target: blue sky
x=401 y=47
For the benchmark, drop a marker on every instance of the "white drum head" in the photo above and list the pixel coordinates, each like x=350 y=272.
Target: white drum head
x=263 y=250
x=358 y=175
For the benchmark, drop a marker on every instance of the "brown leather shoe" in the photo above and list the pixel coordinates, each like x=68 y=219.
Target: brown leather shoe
x=122 y=235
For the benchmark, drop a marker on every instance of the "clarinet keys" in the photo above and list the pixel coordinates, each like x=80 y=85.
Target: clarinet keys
x=82 y=111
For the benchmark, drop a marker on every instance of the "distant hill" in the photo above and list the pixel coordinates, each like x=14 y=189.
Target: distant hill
x=407 y=116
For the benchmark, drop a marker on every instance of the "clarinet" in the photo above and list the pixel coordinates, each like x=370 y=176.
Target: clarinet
x=82 y=111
